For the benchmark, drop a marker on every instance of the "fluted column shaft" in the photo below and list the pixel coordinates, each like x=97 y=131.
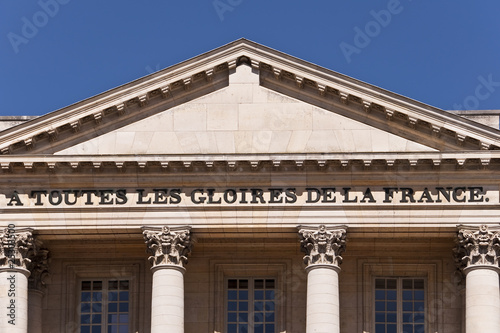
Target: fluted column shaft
x=323 y=247
x=169 y=248
x=478 y=249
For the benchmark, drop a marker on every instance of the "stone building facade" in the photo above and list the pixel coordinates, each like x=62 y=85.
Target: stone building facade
x=245 y=190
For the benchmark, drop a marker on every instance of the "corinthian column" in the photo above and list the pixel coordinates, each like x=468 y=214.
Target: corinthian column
x=169 y=248
x=323 y=247
x=477 y=251
x=15 y=246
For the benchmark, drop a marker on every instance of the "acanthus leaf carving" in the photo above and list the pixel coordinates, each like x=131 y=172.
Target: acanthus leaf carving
x=169 y=246
x=39 y=268
x=323 y=245
x=477 y=246
x=16 y=246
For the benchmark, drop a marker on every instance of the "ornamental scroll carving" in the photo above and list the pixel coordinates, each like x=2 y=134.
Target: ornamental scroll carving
x=39 y=268
x=323 y=245
x=16 y=246
x=169 y=246
x=477 y=246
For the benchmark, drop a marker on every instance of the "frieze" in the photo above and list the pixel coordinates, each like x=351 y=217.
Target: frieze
x=206 y=196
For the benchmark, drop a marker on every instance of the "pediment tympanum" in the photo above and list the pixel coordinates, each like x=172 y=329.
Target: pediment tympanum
x=246 y=118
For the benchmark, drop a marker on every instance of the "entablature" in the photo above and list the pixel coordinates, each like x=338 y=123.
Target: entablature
x=360 y=162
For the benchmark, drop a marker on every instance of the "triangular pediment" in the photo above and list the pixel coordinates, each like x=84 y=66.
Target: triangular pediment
x=244 y=118
x=244 y=98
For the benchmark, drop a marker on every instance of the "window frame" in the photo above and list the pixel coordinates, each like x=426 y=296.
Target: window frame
x=251 y=298
x=74 y=274
x=222 y=271
x=429 y=271
x=399 y=298
x=104 y=301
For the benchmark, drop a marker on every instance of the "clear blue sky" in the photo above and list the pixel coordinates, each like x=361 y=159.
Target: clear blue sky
x=54 y=53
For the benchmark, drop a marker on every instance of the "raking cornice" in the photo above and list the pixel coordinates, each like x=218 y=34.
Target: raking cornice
x=278 y=71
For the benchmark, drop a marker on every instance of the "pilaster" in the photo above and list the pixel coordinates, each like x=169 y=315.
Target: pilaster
x=39 y=269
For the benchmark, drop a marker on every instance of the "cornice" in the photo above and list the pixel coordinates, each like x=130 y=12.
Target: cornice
x=471 y=160
x=210 y=71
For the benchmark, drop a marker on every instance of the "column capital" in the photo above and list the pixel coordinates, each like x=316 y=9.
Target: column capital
x=323 y=245
x=477 y=246
x=39 y=268
x=16 y=245
x=168 y=246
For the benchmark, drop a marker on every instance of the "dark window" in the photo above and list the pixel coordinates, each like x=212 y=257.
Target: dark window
x=399 y=305
x=104 y=306
x=250 y=306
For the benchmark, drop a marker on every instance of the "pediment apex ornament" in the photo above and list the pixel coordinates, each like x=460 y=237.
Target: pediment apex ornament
x=477 y=246
x=323 y=245
x=168 y=245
